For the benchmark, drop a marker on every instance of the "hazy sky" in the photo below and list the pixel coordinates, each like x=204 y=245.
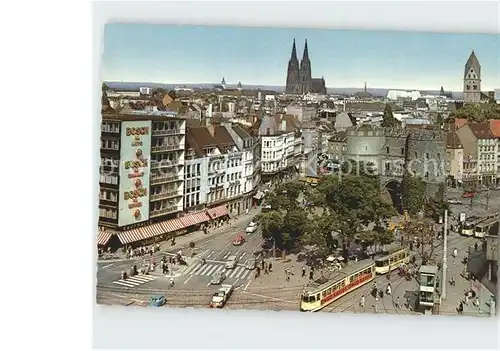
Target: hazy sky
x=402 y=60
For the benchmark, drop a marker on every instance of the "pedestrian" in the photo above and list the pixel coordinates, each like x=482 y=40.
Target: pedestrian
x=475 y=246
x=397 y=302
x=452 y=281
x=262 y=264
x=362 y=301
x=303 y=272
x=311 y=274
x=455 y=253
x=270 y=267
x=411 y=246
x=460 y=308
x=389 y=289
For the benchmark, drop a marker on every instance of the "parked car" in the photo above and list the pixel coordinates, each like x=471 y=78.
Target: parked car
x=468 y=195
x=157 y=301
x=239 y=240
x=218 y=278
x=250 y=263
x=251 y=228
x=231 y=262
x=454 y=202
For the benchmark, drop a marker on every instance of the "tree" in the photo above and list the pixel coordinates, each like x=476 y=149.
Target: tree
x=317 y=240
x=439 y=119
x=435 y=206
x=423 y=231
x=271 y=223
x=388 y=118
x=413 y=190
x=478 y=112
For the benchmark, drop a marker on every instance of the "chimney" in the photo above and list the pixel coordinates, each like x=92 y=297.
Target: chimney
x=283 y=125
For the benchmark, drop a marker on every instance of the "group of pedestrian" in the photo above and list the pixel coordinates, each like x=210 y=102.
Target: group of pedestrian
x=143 y=250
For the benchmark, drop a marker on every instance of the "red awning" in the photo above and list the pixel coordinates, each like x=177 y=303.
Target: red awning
x=194 y=218
x=141 y=233
x=103 y=237
x=218 y=211
x=172 y=225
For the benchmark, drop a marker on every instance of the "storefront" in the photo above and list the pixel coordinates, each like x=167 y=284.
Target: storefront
x=218 y=215
x=151 y=233
x=194 y=221
x=257 y=198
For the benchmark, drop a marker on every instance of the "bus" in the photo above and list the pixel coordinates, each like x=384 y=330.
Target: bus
x=348 y=279
x=389 y=261
x=486 y=227
x=467 y=226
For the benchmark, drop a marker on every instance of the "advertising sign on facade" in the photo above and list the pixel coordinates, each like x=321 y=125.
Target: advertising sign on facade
x=135 y=154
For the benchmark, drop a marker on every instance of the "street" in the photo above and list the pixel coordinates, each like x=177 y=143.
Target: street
x=481 y=204
x=192 y=283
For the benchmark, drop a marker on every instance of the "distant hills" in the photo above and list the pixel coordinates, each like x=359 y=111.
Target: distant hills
x=374 y=91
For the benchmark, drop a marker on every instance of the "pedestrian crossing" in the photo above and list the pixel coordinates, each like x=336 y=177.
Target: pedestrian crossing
x=135 y=280
x=239 y=272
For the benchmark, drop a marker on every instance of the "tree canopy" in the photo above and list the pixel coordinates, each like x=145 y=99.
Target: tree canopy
x=413 y=191
x=478 y=112
x=388 y=118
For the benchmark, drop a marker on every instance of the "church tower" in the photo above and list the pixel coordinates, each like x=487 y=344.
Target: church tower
x=305 y=72
x=472 y=80
x=292 y=75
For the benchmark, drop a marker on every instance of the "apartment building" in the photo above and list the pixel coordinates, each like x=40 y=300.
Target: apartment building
x=279 y=147
x=480 y=154
x=454 y=160
x=141 y=175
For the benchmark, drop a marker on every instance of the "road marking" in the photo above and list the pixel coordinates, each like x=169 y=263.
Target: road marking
x=212 y=270
x=237 y=252
x=245 y=274
x=208 y=284
x=214 y=261
x=244 y=253
x=239 y=273
x=210 y=254
x=271 y=298
x=191 y=276
x=204 y=269
x=191 y=269
x=246 y=286
x=204 y=252
x=219 y=269
x=236 y=281
x=226 y=255
x=130 y=285
x=108 y=265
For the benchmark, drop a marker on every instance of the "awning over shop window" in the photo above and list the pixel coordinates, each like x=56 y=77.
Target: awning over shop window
x=141 y=233
x=172 y=225
x=259 y=195
x=103 y=237
x=217 y=212
x=195 y=218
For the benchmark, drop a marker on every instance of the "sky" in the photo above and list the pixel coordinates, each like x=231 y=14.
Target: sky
x=259 y=56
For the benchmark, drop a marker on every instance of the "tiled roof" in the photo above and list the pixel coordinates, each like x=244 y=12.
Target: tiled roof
x=223 y=138
x=339 y=136
x=481 y=130
x=241 y=132
x=495 y=127
x=202 y=137
x=472 y=62
x=459 y=122
x=453 y=141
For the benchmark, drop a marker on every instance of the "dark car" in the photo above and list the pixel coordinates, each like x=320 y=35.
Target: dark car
x=267 y=245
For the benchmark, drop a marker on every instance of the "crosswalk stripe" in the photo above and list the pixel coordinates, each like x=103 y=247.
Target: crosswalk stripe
x=245 y=274
x=124 y=284
x=198 y=269
x=205 y=269
x=142 y=279
x=234 y=272
x=241 y=257
x=241 y=271
x=210 y=271
x=219 y=269
x=193 y=268
x=226 y=255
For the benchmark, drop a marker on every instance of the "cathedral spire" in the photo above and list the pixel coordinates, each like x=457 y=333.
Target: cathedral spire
x=305 y=56
x=293 y=57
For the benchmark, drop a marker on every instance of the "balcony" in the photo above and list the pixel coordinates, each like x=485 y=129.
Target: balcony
x=165 y=195
x=165 y=164
x=166 y=132
x=165 y=178
x=216 y=187
x=164 y=211
x=165 y=148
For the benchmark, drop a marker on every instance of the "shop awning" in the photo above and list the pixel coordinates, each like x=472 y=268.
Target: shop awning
x=218 y=211
x=103 y=237
x=259 y=195
x=141 y=233
x=172 y=225
x=195 y=218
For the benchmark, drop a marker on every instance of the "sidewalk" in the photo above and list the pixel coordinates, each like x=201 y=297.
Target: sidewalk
x=184 y=240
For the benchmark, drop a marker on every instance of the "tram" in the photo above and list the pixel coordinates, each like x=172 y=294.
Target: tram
x=467 y=227
x=350 y=278
x=389 y=261
x=486 y=227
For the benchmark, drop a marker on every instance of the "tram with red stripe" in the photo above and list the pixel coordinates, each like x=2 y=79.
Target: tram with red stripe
x=350 y=278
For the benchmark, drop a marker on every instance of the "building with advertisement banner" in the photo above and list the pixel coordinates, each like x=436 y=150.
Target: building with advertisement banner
x=135 y=167
x=141 y=180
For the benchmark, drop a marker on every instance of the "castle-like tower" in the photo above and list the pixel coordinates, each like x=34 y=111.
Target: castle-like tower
x=472 y=80
x=299 y=78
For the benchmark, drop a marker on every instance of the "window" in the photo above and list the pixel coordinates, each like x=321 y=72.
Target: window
x=416 y=155
x=402 y=151
x=387 y=149
x=474 y=87
x=467 y=87
x=427 y=155
x=426 y=175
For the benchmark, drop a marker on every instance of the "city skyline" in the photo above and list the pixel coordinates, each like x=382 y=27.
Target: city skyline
x=171 y=54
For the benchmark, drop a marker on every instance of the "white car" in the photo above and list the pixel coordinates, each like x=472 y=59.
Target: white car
x=252 y=227
x=231 y=262
x=454 y=202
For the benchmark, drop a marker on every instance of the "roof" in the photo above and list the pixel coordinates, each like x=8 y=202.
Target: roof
x=495 y=127
x=241 y=132
x=459 y=122
x=201 y=138
x=428 y=269
x=481 y=130
x=339 y=136
x=472 y=62
x=453 y=141
x=223 y=138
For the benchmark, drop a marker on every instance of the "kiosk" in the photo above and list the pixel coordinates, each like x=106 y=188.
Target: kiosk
x=428 y=298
